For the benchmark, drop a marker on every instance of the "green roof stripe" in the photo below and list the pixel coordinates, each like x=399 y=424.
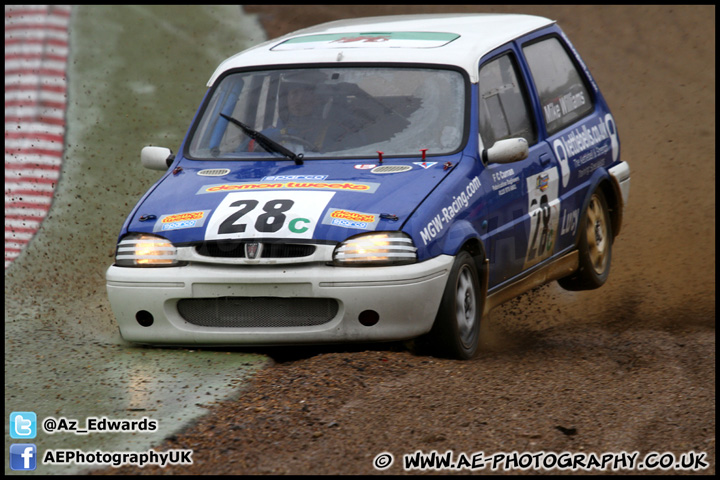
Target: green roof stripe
x=333 y=37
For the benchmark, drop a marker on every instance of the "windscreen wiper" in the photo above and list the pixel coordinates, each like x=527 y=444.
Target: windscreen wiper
x=267 y=143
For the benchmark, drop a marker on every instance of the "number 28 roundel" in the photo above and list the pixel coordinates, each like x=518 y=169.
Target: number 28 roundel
x=543 y=208
x=276 y=214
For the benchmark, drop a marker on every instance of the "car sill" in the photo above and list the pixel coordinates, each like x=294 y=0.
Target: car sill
x=559 y=268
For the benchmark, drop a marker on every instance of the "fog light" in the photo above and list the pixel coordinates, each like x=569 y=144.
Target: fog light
x=144 y=318
x=368 y=318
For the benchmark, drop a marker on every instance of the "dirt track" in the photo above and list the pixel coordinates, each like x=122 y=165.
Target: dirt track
x=629 y=367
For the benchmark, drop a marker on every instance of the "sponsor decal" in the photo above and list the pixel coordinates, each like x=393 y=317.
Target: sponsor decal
x=363 y=38
x=351 y=219
x=564 y=105
x=614 y=142
x=182 y=216
x=180 y=225
x=542 y=182
x=365 y=166
x=366 y=187
x=425 y=165
x=280 y=178
x=570 y=222
x=504 y=181
x=583 y=138
x=459 y=203
x=590 y=168
x=587 y=144
x=361 y=217
x=178 y=221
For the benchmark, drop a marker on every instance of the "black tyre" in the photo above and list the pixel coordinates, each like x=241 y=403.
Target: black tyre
x=594 y=247
x=456 y=330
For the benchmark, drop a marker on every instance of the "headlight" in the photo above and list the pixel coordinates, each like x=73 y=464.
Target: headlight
x=376 y=249
x=145 y=250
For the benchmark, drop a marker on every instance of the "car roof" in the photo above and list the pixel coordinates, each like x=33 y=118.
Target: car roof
x=449 y=39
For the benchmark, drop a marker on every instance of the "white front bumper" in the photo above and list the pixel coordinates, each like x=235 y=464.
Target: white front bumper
x=406 y=299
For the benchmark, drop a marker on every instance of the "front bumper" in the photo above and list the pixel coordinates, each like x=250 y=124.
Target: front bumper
x=405 y=300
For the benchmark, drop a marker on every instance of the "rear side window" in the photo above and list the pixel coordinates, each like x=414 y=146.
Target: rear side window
x=504 y=111
x=563 y=96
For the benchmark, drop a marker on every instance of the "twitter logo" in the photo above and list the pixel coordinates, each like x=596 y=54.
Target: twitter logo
x=23 y=425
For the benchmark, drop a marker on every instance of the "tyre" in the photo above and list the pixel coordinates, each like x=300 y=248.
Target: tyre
x=594 y=247
x=456 y=330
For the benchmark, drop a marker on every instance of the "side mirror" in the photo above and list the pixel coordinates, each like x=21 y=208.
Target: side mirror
x=156 y=158
x=507 y=151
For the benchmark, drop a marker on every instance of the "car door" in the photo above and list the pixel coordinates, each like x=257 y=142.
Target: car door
x=575 y=122
x=522 y=212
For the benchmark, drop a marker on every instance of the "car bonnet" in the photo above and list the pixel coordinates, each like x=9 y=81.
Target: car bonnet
x=318 y=201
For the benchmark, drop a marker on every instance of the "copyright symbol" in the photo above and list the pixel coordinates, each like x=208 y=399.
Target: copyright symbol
x=383 y=461
x=49 y=425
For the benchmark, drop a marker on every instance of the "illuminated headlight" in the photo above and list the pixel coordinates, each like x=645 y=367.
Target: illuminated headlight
x=145 y=250
x=376 y=249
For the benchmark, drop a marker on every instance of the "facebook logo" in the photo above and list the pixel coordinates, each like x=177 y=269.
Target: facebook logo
x=23 y=456
x=23 y=425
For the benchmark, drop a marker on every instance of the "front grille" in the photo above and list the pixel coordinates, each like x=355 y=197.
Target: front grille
x=253 y=312
x=270 y=250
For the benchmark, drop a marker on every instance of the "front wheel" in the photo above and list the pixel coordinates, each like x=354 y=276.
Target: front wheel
x=457 y=326
x=594 y=247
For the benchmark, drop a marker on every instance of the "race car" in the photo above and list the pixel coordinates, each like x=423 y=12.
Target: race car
x=379 y=179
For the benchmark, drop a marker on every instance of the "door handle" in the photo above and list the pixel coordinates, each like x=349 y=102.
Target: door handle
x=544 y=158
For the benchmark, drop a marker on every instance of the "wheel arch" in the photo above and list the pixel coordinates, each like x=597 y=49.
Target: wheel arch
x=604 y=182
x=463 y=237
x=613 y=197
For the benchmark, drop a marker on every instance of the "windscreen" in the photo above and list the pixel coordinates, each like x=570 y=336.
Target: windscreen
x=332 y=113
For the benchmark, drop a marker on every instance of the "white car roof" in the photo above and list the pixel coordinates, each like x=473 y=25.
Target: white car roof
x=450 y=39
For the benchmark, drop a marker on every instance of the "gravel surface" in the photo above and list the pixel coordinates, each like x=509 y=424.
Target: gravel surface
x=627 y=368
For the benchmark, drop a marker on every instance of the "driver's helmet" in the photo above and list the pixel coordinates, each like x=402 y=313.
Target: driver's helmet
x=310 y=81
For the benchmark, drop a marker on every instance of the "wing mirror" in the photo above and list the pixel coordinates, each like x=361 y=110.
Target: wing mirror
x=507 y=151
x=156 y=158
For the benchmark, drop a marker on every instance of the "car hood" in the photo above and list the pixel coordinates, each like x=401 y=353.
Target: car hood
x=326 y=201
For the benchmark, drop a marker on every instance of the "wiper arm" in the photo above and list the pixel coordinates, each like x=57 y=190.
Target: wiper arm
x=267 y=143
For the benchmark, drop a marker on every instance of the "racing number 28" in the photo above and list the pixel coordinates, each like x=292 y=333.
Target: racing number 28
x=541 y=214
x=269 y=222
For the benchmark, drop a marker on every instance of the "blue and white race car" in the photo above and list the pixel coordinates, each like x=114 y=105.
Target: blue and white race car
x=379 y=179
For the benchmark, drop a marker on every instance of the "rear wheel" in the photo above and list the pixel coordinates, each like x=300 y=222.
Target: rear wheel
x=456 y=330
x=594 y=247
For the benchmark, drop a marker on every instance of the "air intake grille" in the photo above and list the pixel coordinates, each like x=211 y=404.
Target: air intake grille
x=254 y=312
x=391 y=169
x=214 y=172
x=270 y=250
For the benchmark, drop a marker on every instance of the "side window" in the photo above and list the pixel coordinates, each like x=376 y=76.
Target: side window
x=563 y=96
x=503 y=104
